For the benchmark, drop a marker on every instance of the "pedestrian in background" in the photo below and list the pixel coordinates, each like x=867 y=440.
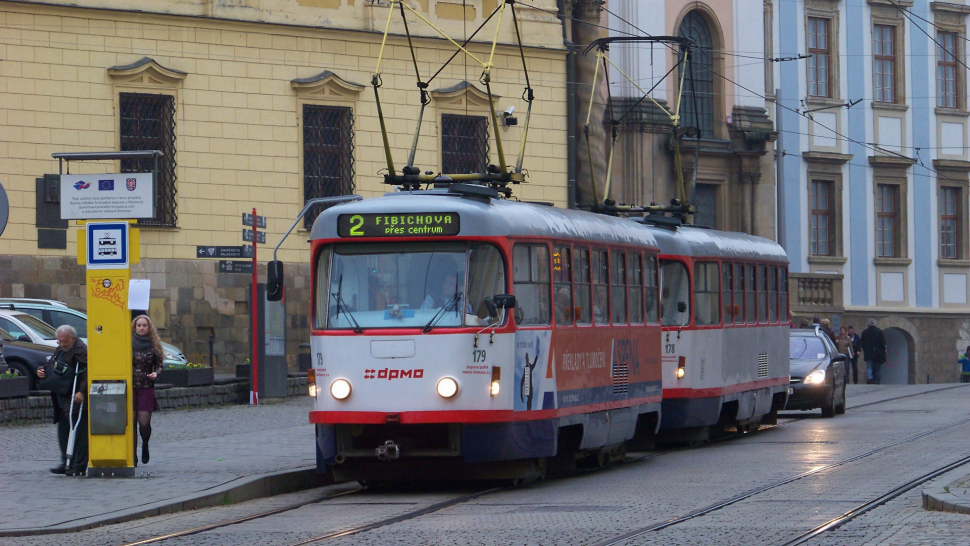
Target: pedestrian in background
x=854 y=356
x=804 y=324
x=843 y=343
x=826 y=326
x=65 y=376
x=146 y=364
x=965 y=366
x=874 y=349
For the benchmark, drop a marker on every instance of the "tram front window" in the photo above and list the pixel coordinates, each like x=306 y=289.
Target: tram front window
x=409 y=285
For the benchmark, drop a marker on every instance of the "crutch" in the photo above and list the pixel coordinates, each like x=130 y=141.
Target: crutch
x=69 y=454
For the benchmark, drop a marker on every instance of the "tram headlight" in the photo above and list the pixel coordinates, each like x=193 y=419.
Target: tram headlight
x=340 y=389
x=815 y=378
x=447 y=387
x=494 y=390
x=680 y=373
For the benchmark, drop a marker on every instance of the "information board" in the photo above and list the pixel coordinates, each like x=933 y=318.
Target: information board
x=412 y=224
x=107 y=196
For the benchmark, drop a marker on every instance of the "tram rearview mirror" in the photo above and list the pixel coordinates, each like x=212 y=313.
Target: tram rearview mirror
x=504 y=301
x=681 y=306
x=490 y=306
x=274 y=281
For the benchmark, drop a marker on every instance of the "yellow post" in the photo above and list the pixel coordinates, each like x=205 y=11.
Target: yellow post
x=109 y=353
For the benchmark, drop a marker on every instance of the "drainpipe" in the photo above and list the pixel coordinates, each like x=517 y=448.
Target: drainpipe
x=570 y=107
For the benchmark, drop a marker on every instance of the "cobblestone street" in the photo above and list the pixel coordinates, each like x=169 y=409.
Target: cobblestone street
x=874 y=448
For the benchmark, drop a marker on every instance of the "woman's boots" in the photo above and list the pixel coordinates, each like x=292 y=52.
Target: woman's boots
x=146 y=434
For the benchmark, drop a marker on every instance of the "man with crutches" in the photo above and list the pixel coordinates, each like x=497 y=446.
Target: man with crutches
x=65 y=376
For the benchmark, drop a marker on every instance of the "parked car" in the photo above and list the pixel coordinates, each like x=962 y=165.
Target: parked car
x=818 y=373
x=24 y=357
x=25 y=327
x=57 y=313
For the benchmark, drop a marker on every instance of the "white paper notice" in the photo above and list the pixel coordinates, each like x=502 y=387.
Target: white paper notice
x=138 y=291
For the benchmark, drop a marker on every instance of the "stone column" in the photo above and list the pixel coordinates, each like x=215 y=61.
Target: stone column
x=589 y=11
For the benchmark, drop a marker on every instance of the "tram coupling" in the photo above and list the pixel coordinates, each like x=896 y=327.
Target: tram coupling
x=390 y=451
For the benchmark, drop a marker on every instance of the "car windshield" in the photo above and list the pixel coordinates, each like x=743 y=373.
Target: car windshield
x=806 y=347
x=407 y=285
x=42 y=329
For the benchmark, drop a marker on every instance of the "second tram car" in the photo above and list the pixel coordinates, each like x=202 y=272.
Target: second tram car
x=459 y=335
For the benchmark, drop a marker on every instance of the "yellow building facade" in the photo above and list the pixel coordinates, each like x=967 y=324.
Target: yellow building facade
x=239 y=76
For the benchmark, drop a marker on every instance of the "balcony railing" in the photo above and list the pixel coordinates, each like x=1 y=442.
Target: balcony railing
x=815 y=293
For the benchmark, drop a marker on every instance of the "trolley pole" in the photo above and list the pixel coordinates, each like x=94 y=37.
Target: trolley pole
x=254 y=392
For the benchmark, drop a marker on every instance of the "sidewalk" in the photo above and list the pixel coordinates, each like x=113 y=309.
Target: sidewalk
x=199 y=458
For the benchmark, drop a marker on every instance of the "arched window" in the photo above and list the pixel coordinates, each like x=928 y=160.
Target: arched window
x=697 y=106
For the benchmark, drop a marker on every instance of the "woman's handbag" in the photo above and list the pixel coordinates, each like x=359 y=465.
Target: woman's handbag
x=60 y=376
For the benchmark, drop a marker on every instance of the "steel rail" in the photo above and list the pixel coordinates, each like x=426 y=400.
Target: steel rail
x=744 y=496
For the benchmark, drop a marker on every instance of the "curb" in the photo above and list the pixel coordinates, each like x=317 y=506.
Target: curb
x=941 y=498
x=238 y=490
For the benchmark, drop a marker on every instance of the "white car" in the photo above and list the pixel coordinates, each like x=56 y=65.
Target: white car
x=57 y=313
x=25 y=327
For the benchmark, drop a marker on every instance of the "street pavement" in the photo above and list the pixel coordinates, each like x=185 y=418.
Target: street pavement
x=588 y=508
x=194 y=452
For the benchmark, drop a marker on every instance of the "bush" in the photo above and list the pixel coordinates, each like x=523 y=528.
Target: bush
x=189 y=366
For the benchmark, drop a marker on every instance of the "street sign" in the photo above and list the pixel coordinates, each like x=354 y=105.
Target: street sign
x=248 y=236
x=107 y=244
x=243 y=251
x=247 y=220
x=107 y=196
x=234 y=266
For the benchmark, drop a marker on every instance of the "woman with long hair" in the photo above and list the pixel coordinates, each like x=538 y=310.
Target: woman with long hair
x=146 y=364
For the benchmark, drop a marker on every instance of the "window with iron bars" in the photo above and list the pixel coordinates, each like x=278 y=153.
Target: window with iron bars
x=328 y=155
x=464 y=144
x=148 y=123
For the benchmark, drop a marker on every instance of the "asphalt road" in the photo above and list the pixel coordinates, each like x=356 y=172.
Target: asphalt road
x=768 y=487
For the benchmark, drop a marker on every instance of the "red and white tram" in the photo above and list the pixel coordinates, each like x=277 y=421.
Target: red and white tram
x=419 y=371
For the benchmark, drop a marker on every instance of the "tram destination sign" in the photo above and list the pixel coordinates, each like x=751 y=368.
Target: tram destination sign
x=410 y=224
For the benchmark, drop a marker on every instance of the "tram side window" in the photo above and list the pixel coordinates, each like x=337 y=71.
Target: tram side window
x=749 y=294
x=773 y=294
x=739 y=293
x=618 y=287
x=530 y=270
x=783 y=293
x=635 y=288
x=322 y=289
x=562 y=280
x=601 y=287
x=650 y=287
x=707 y=296
x=581 y=286
x=762 y=294
x=727 y=285
x=675 y=293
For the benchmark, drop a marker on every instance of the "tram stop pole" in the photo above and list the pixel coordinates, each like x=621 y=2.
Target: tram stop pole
x=107 y=245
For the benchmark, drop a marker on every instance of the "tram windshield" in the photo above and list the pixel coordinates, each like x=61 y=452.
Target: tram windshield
x=407 y=285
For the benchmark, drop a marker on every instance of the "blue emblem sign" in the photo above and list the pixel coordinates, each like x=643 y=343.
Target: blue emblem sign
x=107 y=245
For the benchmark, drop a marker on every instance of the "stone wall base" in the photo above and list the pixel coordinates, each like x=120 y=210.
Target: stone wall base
x=38 y=409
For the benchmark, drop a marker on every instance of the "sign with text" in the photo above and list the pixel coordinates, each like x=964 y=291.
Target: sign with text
x=107 y=244
x=247 y=220
x=235 y=266
x=248 y=236
x=412 y=224
x=96 y=196
x=244 y=251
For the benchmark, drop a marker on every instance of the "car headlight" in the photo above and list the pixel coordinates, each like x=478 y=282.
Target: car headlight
x=340 y=389
x=447 y=387
x=815 y=378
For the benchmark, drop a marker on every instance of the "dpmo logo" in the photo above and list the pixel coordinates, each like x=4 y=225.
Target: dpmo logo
x=390 y=374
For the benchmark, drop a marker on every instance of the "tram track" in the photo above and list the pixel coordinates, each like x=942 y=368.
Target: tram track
x=630 y=459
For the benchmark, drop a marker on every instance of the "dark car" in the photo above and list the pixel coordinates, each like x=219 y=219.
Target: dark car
x=817 y=373
x=24 y=357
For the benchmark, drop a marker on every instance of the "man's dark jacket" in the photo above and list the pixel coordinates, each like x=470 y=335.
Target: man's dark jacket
x=874 y=345
x=77 y=359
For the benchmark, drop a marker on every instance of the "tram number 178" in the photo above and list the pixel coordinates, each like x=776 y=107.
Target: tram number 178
x=478 y=355
x=670 y=348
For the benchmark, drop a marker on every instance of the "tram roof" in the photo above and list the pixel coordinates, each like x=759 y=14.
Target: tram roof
x=495 y=217
x=711 y=243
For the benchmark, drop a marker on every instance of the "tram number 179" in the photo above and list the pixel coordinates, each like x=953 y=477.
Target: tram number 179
x=478 y=355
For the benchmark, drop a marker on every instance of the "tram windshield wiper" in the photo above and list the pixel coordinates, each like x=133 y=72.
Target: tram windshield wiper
x=342 y=304
x=444 y=310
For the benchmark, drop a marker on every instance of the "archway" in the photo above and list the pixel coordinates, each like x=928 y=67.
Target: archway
x=899 y=366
